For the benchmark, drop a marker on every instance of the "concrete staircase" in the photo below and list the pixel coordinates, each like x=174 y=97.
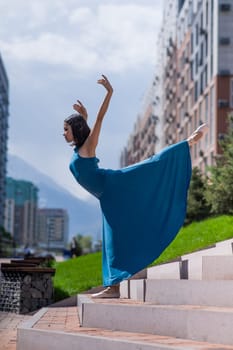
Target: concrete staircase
x=186 y=304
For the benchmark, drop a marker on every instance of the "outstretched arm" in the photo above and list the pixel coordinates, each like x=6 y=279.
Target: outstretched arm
x=89 y=147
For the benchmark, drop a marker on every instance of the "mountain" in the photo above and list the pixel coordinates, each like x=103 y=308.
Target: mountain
x=84 y=217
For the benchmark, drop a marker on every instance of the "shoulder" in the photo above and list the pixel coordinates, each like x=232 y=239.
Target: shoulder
x=87 y=150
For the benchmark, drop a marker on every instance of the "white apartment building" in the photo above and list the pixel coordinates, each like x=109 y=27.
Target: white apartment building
x=195 y=77
x=205 y=70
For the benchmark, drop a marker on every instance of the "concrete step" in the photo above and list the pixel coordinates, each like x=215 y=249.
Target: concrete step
x=199 y=323
x=59 y=329
x=217 y=278
x=185 y=292
x=190 y=266
x=217 y=267
x=194 y=261
x=171 y=270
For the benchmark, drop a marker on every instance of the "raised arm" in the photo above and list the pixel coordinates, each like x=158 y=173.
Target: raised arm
x=89 y=147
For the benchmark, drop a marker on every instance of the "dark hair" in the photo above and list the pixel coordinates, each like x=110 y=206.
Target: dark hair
x=79 y=127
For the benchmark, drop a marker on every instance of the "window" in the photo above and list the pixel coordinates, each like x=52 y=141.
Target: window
x=207 y=13
x=196 y=63
x=211 y=65
x=231 y=93
x=201 y=55
x=211 y=115
x=191 y=71
x=196 y=91
x=197 y=33
x=206 y=44
x=192 y=42
x=206 y=108
x=201 y=83
x=201 y=21
x=225 y=41
x=225 y=7
x=206 y=75
x=200 y=112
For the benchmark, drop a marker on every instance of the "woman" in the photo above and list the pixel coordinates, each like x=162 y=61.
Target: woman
x=143 y=205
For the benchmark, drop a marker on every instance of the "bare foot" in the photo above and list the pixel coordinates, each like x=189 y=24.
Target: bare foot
x=197 y=134
x=109 y=292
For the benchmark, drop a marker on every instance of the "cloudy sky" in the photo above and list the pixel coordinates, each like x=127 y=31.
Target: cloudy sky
x=54 y=51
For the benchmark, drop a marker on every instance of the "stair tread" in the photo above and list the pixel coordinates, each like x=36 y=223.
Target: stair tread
x=131 y=302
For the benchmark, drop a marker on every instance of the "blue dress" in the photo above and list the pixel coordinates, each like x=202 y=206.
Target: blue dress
x=143 y=207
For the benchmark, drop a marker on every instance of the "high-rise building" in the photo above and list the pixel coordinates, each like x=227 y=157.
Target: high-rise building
x=151 y=130
x=168 y=57
x=196 y=75
x=4 y=102
x=21 y=211
x=52 y=229
x=205 y=82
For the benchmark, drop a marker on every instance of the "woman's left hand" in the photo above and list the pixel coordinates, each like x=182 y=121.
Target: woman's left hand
x=79 y=107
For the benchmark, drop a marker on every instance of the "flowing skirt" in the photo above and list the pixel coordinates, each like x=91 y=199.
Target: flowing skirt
x=143 y=207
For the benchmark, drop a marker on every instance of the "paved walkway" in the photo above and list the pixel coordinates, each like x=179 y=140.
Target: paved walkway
x=66 y=319
x=8 y=329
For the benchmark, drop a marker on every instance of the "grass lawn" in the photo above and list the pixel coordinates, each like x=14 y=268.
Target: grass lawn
x=198 y=235
x=77 y=275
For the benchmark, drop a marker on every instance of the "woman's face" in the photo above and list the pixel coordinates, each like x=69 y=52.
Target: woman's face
x=68 y=133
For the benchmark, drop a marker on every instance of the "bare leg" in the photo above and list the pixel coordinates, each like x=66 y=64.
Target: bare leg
x=197 y=134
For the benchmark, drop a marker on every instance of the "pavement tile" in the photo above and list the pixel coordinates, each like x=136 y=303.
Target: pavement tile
x=9 y=323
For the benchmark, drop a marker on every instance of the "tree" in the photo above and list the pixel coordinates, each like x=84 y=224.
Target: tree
x=220 y=190
x=7 y=243
x=75 y=247
x=85 y=242
x=197 y=208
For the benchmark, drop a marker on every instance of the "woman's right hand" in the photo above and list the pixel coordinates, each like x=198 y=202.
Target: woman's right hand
x=105 y=82
x=79 y=107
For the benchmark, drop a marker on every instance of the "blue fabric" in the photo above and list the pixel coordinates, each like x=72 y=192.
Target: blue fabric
x=143 y=207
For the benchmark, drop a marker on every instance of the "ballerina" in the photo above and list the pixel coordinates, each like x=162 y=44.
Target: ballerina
x=143 y=205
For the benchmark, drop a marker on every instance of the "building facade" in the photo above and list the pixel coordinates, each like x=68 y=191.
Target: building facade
x=204 y=88
x=52 y=229
x=4 y=103
x=21 y=211
x=142 y=141
x=196 y=75
x=151 y=130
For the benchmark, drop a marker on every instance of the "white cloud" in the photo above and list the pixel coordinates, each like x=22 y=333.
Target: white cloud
x=54 y=51
x=111 y=37
x=81 y=15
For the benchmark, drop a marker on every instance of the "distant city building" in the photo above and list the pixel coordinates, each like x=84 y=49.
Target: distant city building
x=4 y=102
x=21 y=211
x=142 y=141
x=52 y=229
x=195 y=78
